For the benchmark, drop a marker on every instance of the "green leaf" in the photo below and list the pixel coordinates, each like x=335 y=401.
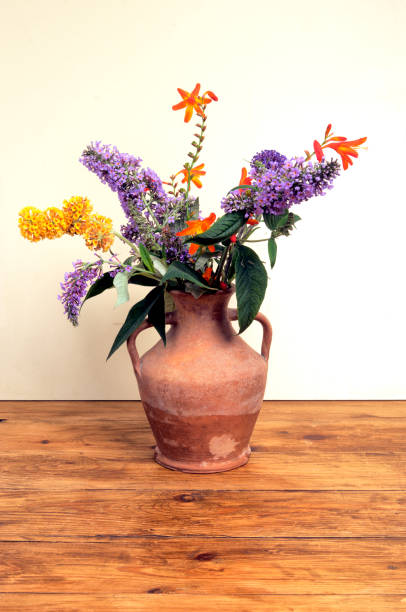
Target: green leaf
x=145 y=281
x=296 y=218
x=231 y=270
x=146 y=258
x=135 y=317
x=169 y=302
x=201 y=262
x=193 y=290
x=184 y=272
x=106 y=282
x=159 y=265
x=274 y=221
x=121 y=284
x=251 y=282
x=272 y=249
x=223 y=228
x=156 y=316
x=242 y=187
x=102 y=283
x=282 y=219
x=129 y=260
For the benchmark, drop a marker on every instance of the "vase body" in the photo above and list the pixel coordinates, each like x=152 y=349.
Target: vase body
x=202 y=392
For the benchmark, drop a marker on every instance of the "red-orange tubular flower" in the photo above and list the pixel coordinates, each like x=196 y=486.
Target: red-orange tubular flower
x=194 y=175
x=198 y=226
x=345 y=148
x=245 y=179
x=193 y=102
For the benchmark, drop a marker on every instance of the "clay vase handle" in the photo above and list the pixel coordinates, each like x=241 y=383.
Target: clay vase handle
x=131 y=346
x=267 y=330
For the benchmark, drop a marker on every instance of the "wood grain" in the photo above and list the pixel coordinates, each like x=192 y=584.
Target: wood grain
x=315 y=522
x=169 y=602
x=200 y=565
x=305 y=471
x=110 y=514
x=73 y=445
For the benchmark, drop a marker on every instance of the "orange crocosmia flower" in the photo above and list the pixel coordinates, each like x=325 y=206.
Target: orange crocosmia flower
x=193 y=102
x=245 y=179
x=198 y=226
x=318 y=150
x=346 y=149
x=194 y=175
x=207 y=274
x=252 y=221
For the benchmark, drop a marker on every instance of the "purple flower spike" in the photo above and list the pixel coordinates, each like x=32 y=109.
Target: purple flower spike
x=75 y=288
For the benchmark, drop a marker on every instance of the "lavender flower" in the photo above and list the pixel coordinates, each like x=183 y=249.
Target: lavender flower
x=148 y=208
x=283 y=184
x=75 y=287
x=112 y=167
x=266 y=159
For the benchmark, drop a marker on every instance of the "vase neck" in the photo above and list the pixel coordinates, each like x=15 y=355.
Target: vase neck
x=209 y=310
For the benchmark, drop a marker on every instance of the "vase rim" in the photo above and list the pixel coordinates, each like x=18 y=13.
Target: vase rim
x=227 y=291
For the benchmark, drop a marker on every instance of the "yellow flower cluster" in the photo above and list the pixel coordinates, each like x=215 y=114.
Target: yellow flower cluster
x=75 y=218
x=97 y=232
x=36 y=224
x=77 y=211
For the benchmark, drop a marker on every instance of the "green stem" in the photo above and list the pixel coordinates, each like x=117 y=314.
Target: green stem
x=221 y=264
x=228 y=264
x=130 y=244
x=153 y=217
x=261 y=240
x=195 y=157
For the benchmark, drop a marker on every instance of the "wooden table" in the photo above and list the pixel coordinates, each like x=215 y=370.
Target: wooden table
x=315 y=521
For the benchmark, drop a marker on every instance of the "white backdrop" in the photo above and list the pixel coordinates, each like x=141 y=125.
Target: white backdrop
x=80 y=70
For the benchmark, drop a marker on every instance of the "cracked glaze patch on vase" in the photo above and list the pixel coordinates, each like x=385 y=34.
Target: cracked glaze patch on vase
x=202 y=392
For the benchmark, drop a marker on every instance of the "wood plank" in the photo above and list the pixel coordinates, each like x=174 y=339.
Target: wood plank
x=109 y=444
x=322 y=411
x=302 y=471
x=51 y=602
x=98 y=436
x=106 y=515
x=108 y=427
x=243 y=566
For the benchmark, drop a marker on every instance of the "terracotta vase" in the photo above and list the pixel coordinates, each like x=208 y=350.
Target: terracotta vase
x=202 y=392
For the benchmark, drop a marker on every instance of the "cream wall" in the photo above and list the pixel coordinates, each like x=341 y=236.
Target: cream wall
x=75 y=71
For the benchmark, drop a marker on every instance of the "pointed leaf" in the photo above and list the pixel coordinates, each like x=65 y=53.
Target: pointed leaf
x=274 y=221
x=135 y=317
x=159 y=265
x=272 y=249
x=121 y=284
x=251 y=282
x=102 y=283
x=223 y=228
x=129 y=260
x=146 y=258
x=141 y=279
x=193 y=290
x=243 y=187
x=296 y=218
x=156 y=316
x=184 y=272
x=169 y=303
x=282 y=219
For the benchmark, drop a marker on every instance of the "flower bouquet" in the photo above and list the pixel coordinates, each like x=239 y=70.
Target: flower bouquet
x=190 y=264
